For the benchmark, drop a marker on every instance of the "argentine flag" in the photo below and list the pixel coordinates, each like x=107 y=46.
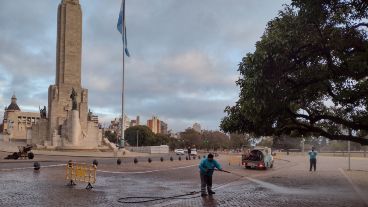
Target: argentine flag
x=121 y=26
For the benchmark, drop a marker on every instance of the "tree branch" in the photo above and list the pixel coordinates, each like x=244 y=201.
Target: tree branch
x=315 y=118
x=363 y=24
x=301 y=127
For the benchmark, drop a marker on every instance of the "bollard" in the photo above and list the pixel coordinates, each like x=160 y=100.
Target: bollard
x=30 y=155
x=199 y=157
x=171 y=159
x=95 y=162
x=162 y=159
x=36 y=166
x=118 y=161
x=149 y=160
x=70 y=163
x=179 y=158
x=135 y=161
x=186 y=158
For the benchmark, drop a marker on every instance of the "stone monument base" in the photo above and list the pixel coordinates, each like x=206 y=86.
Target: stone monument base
x=81 y=148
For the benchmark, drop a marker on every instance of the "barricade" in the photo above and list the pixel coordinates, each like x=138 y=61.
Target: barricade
x=81 y=172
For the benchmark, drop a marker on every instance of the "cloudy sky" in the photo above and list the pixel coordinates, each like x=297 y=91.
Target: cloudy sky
x=183 y=64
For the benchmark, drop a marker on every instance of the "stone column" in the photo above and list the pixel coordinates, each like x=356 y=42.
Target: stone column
x=75 y=128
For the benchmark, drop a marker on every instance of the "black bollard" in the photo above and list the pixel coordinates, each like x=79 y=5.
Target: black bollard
x=118 y=161
x=36 y=166
x=95 y=162
x=162 y=159
x=70 y=163
x=30 y=155
x=149 y=160
x=186 y=158
x=135 y=161
x=179 y=158
x=171 y=159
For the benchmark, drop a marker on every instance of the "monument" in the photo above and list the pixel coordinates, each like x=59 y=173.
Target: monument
x=68 y=124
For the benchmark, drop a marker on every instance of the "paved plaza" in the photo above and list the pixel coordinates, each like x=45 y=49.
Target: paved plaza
x=289 y=183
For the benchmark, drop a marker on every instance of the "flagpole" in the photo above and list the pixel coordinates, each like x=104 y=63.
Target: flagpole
x=122 y=143
x=122 y=29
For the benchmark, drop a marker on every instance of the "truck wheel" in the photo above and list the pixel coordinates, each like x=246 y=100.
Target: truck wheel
x=30 y=155
x=247 y=167
x=15 y=155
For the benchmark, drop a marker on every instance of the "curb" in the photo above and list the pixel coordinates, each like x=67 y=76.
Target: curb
x=28 y=161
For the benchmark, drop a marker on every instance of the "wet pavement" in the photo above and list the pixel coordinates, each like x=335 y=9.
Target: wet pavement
x=287 y=184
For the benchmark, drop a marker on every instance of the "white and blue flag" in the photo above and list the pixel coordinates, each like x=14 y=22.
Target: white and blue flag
x=121 y=26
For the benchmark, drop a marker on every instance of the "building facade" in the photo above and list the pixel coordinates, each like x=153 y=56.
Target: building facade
x=154 y=124
x=16 y=123
x=163 y=127
x=197 y=127
x=135 y=122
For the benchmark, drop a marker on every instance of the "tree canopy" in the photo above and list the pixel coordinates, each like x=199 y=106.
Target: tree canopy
x=145 y=136
x=308 y=74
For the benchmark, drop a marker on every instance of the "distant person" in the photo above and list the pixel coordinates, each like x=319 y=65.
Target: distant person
x=189 y=152
x=207 y=166
x=312 y=159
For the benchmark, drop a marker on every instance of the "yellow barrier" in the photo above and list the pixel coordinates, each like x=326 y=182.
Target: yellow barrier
x=81 y=172
x=234 y=160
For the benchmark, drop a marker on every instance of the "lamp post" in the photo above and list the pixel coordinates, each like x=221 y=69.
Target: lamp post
x=137 y=138
x=349 y=154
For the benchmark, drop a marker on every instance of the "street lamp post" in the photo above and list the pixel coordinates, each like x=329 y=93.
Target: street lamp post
x=349 y=151
x=137 y=137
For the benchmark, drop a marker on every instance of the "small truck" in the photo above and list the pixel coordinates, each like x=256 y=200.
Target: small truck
x=258 y=158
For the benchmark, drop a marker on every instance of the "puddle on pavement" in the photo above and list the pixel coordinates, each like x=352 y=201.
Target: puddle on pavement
x=299 y=191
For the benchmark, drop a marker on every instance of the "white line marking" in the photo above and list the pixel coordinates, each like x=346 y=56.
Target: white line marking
x=143 y=172
x=356 y=189
x=24 y=168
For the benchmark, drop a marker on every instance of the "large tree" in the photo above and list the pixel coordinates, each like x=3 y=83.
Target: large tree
x=191 y=138
x=143 y=134
x=214 y=140
x=308 y=74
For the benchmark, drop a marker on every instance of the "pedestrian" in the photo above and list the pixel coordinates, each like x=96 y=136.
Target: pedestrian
x=207 y=166
x=312 y=159
x=189 y=152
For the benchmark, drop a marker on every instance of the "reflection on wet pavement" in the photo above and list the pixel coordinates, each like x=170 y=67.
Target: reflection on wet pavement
x=277 y=187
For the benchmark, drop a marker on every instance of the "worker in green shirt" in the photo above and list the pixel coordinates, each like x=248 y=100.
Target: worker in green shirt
x=207 y=166
x=312 y=159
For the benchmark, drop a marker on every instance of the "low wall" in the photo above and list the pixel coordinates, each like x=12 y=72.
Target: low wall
x=163 y=149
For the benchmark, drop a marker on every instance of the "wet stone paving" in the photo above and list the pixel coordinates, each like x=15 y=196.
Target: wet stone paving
x=288 y=184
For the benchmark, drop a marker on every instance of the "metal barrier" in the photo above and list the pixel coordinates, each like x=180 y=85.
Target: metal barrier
x=81 y=172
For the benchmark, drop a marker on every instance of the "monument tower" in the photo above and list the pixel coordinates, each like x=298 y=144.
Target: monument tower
x=62 y=117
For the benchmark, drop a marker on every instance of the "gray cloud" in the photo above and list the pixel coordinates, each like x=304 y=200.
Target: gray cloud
x=184 y=55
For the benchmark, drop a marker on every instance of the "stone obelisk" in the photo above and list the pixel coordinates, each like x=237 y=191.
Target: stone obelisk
x=68 y=75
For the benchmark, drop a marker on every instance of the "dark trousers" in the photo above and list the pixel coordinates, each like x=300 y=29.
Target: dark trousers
x=206 y=182
x=313 y=163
